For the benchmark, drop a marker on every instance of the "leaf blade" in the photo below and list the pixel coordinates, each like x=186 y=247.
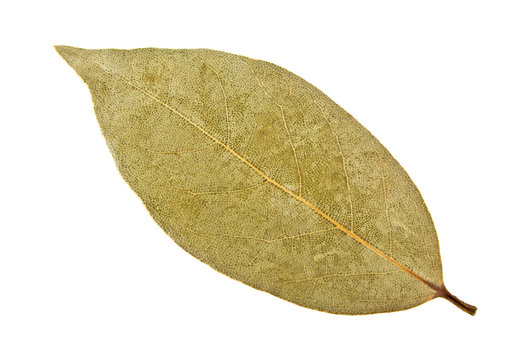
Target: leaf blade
x=105 y=71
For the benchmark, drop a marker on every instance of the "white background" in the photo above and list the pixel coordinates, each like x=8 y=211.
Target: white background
x=86 y=274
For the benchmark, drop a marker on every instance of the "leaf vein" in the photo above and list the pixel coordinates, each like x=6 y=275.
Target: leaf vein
x=386 y=205
x=343 y=275
x=224 y=97
x=198 y=193
x=351 y=215
x=285 y=126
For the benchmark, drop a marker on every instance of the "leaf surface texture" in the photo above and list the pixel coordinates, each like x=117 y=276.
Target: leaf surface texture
x=257 y=173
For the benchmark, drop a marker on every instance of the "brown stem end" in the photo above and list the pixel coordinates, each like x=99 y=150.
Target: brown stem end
x=469 y=309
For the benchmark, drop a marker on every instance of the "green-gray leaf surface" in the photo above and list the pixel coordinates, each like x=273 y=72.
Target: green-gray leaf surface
x=257 y=173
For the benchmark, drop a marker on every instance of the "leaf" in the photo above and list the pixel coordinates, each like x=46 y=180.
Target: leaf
x=257 y=173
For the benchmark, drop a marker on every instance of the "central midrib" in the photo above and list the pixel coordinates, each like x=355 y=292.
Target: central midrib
x=274 y=182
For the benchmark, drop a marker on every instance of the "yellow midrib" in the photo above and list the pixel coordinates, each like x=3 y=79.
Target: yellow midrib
x=274 y=182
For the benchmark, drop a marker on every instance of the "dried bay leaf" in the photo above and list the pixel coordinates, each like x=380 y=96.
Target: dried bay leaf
x=257 y=173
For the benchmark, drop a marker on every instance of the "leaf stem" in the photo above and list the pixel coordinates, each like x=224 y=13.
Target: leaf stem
x=444 y=293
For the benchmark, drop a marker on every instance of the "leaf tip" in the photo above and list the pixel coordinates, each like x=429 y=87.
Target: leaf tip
x=66 y=52
x=75 y=57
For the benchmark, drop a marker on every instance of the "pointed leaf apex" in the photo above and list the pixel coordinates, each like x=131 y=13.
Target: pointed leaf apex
x=67 y=52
